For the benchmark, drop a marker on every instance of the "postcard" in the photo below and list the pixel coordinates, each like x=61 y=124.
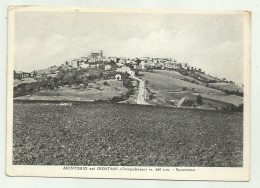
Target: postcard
x=128 y=93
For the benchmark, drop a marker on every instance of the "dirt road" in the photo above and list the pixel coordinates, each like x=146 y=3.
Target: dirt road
x=141 y=91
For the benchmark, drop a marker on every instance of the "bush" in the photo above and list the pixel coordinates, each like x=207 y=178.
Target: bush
x=118 y=98
x=188 y=102
x=239 y=108
x=127 y=83
x=199 y=99
x=85 y=82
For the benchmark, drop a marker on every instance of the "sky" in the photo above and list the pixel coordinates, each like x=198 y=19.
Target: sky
x=212 y=42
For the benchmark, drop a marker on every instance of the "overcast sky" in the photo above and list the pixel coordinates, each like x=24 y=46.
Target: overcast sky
x=211 y=42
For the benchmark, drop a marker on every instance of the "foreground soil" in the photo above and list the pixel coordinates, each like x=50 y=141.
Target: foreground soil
x=120 y=134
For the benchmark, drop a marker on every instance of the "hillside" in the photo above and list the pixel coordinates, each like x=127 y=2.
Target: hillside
x=23 y=81
x=99 y=90
x=226 y=86
x=168 y=83
x=75 y=85
x=160 y=87
x=165 y=87
x=177 y=75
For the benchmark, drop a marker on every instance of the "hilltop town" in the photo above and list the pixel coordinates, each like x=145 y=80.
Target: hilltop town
x=142 y=80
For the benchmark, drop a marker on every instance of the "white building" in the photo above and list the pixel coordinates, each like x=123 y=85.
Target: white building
x=129 y=61
x=94 y=66
x=113 y=59
x=118 y=77
x=73 y=63
x=120 y=64
x=125 y=69
x=142 y=65
x=122 y=61
x=92 y=60
x=108 y=67
x=84 y=65
x=106 y=60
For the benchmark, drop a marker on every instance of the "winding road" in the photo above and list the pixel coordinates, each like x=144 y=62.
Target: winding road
x=141 y=91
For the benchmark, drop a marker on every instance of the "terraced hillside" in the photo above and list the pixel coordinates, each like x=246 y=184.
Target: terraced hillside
x=177 y=75
x=165 y=83
x=227 y=86
x=167 y=86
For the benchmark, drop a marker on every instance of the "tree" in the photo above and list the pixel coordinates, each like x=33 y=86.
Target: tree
x=85 y=82
x=199 y=99
x=138 y=61
x=67 y=79
x=127 y=83
x=136 y=73
x=100 y=75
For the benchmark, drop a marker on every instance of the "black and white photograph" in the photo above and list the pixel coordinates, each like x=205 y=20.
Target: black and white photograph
x=128 y=91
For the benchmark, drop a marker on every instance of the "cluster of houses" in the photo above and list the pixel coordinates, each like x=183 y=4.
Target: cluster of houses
x=124 y=64
x=97 y=60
